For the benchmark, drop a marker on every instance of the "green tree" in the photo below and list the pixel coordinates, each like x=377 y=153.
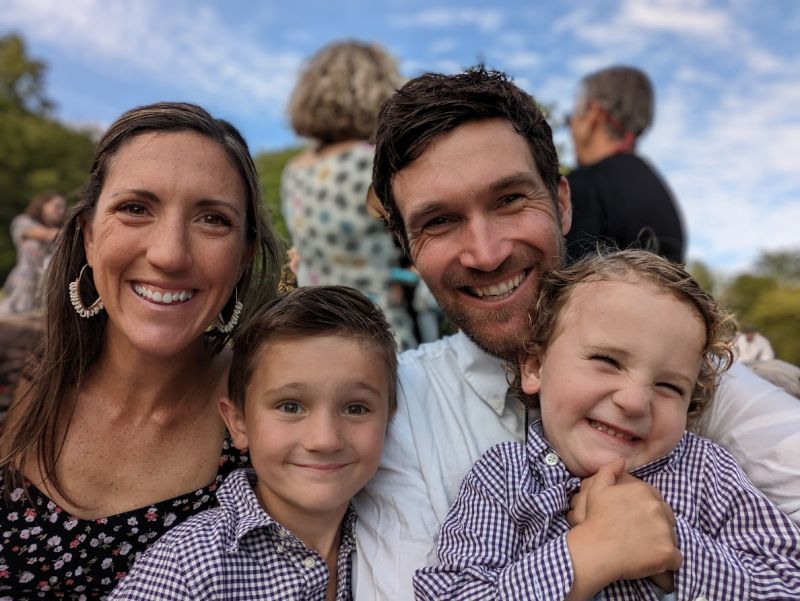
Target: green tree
x=270 y=166
x=781 y=265
x=21 y=78
x=36 y=152
x=702 y=275
x=777 y=316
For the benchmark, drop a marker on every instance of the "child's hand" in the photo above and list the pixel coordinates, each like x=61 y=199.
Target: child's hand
x=626 y=531
x=607 y=476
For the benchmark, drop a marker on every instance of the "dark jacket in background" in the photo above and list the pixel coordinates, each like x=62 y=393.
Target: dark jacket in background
x=623 y=202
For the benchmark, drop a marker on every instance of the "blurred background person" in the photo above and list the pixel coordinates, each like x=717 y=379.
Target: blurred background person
x=324 y=189
x=618 y=198
x=751 y=347
x=33 y=233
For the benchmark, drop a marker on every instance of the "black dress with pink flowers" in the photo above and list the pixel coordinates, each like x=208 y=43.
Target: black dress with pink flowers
x=45 y=553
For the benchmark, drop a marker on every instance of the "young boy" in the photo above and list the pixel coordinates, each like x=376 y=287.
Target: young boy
x=624 y=349
x=311 y=387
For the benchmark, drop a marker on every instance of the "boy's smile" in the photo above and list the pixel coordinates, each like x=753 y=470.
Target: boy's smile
x=314 y=420
x=616 y=378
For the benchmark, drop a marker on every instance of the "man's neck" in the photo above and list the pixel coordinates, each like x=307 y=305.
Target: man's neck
x=600 y=147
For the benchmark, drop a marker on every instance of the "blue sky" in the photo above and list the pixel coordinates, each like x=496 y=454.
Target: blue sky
x=727 y=76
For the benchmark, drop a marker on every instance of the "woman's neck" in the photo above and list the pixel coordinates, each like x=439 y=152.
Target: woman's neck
x=130 y=381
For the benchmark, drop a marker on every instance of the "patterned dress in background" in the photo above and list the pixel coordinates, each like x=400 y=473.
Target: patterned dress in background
x=22 y=286
x=338 y=241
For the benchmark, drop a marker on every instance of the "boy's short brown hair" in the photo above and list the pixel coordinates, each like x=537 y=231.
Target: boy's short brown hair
x=556 y=289
x=306 y=312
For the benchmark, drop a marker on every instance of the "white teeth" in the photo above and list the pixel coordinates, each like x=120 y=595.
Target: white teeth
x=165 y=298
x=501 y=288
x=609 y=430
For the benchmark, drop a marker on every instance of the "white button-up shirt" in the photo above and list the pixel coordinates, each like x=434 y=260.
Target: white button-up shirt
x=452 y=407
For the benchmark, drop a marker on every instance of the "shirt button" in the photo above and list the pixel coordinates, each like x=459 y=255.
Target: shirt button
x=282 y=533
x=551 y=459
x=701 y=598
x=309 y=562
x=279 y=548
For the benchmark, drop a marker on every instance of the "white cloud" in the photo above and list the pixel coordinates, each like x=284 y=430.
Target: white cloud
x=190 y=48
x=486 y=20
x=682 y=17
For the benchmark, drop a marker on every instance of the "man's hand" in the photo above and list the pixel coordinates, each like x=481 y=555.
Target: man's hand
x=623 y=530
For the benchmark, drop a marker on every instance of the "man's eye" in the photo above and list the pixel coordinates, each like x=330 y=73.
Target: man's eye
x=290 y=407
x=436 y=222
x=510 y=198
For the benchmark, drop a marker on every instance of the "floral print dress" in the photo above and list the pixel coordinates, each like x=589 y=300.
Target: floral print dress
x=46 y=553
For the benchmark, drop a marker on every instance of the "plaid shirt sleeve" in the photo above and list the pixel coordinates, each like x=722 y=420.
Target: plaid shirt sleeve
x=743 y=547
x=156 y=576
x=479 y=541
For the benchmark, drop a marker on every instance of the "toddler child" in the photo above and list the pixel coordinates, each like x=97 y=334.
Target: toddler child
x=625 y=348
x=310 y=390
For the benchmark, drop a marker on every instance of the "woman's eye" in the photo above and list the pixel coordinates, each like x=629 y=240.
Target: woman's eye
x=356 y=409
x=289 y=407
x=133 y=208
x=215 y=219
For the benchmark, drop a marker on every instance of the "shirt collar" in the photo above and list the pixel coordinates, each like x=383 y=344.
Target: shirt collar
x=239 y=501
x=540 y=457
x=487 y=375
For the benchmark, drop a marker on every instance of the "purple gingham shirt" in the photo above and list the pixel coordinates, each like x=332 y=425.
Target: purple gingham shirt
x=238 y=552
x=505 y=536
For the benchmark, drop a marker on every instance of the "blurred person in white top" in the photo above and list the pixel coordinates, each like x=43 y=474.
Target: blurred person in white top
x=750 y=346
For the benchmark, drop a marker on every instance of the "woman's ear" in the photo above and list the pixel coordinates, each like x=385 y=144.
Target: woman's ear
x=530 y=368
x=234 y=420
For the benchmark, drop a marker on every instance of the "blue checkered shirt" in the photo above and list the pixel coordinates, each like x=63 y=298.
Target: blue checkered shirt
x=238 y=552
x=505 y=536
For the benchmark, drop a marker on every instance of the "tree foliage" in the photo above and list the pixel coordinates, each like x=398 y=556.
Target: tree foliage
x=270 y=166
x=37 y=153
x=769 y=299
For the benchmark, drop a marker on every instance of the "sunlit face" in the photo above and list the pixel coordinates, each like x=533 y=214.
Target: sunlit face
x=166 y=242
x=53 y=211
x=314 y=420
x=617 y=379
x=482 y=228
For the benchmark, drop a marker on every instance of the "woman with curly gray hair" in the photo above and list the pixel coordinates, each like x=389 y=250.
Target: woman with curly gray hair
x=323 y=190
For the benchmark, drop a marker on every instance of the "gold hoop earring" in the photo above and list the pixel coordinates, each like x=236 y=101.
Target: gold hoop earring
x=227 y=328
x=77 y=303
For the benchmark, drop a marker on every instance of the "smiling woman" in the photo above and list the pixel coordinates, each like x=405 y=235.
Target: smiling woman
x=115 y=435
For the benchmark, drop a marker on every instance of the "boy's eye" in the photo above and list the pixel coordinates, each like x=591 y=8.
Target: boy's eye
x=290 y=407
x=356 y=409
x=672 y=387
x=605 y=359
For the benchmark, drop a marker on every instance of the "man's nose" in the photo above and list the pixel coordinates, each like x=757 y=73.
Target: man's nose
x=484 y=246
